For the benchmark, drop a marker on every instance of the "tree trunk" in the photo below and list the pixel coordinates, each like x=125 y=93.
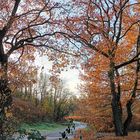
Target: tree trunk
x=2 y=118
x=5 y=94
x=117 y=118
x=136 y=83
x=116 y=105
x=129 y=117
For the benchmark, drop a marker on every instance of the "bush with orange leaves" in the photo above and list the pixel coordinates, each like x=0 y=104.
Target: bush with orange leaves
x=84 y=135
x=89 y=135
x=26 y=111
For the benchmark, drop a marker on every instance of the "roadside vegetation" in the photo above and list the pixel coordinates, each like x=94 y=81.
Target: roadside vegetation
x=43 y=126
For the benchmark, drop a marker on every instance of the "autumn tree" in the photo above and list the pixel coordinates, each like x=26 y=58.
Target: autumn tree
x=109 y=29
x=49 y=93
x=59 y=98
x=23 y=25
x=22 y=75
x=94 y=104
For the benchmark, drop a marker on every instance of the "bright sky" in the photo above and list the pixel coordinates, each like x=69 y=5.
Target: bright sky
x=70 y=77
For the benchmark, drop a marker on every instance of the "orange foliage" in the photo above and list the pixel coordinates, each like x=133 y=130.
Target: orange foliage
x=74 y=118
x=26 y=111
x=111 y=32
x=86 y=135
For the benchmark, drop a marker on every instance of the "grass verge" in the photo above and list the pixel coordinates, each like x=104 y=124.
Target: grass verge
x=43 y=126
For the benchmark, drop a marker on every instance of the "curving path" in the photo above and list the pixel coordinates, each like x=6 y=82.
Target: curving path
x=56 y=134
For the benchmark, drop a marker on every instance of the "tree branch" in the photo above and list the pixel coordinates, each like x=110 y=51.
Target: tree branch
x=9 y=23
x=134 y=59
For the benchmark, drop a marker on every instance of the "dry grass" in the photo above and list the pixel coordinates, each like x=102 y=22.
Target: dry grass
x=88 y=135
x=131 y=136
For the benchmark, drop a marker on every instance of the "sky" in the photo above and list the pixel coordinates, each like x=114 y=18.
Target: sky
x=70 y=77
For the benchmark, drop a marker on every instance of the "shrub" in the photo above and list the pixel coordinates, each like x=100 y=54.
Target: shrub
x=31 y=135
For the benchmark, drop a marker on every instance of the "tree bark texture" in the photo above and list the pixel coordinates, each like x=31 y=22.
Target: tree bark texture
x=5 y=94
x=128 y=119
x=116 y=105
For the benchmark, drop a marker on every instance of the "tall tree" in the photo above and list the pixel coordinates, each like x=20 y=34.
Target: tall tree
x=110 y=29
x=55 y=99
x=23 y=25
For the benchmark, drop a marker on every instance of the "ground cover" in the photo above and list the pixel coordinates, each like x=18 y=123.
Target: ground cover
x=43 y=126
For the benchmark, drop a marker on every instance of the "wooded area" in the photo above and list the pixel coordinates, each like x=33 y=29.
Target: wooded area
x=100 y=36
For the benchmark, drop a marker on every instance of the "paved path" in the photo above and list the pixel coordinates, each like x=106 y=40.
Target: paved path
x=56 y=135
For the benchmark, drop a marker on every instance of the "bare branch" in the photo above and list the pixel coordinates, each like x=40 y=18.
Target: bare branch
x=129 y=29
x=9 y=23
